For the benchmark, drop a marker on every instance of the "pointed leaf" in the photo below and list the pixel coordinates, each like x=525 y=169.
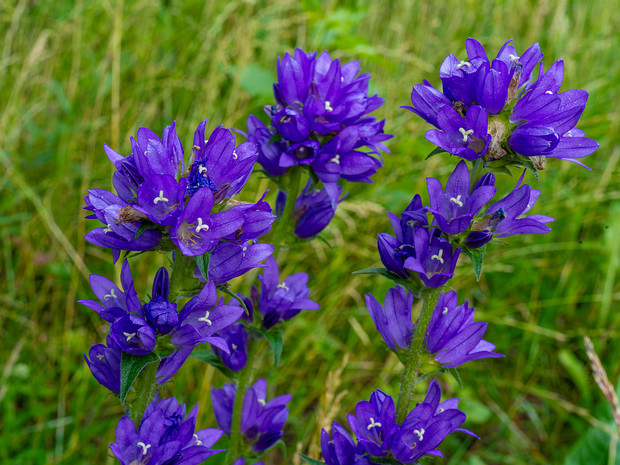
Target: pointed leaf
x=307 y=459
x=476 y=256
x=144 y=227
x=203 y=264
x=274 y=337
x=208 y=356
x=131 y=367
x=437 y=150
x=225 y=290
x=410 y=286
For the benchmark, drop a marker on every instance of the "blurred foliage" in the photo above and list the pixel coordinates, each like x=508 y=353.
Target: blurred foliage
x=76 y=74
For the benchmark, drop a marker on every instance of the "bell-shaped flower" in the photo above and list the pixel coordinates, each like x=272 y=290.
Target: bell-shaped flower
x=374 y=423
x=282 y=300
x=165 y=436
x=393 y=320
x=452 y=335
x=434 y=259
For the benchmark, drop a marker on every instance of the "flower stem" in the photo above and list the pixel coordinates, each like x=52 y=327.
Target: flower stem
x=182 y=281
x=144 y=386
x=413 y=359
x=284 y=225
x=244 y=381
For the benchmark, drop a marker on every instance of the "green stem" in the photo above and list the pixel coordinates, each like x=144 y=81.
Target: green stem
x=284 y=225
x=413 y=359
x=144 y=386
x=244 y=381
x=182 y=281
x=477 y=172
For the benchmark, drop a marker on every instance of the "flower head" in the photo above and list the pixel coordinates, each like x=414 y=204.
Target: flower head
x=165 y=436
x=493 y=108
x=393 y=321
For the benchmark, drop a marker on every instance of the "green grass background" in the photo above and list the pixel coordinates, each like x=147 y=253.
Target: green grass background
x=74 y=75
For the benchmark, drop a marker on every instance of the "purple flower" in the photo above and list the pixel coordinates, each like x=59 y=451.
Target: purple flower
x=393 y=251
x=198 y=231
x=164 y=437
x=341 y=450
x=105 y=364
x=235 y=337
x=374 y=423
x=282 y=300
x=394 y=320
x=494 y=108
x=452 y=335
x=229 y=260
x=503 y=215
x=463 y=137
x=319 y=120
x=455 y=208
x=434 y=259
x=314 y=209
x=426 y=426
x=261 y=420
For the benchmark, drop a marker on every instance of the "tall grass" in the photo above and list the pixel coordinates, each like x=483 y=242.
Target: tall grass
x=74 y=75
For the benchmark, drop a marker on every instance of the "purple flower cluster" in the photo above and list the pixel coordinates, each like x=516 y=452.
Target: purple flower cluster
x=432 y=249
x=379 y=435
x=261 y=420
x=319 y=120
x=164 y=437
x=160 y=197
x=138 y=329
x=493 y=108
x=452 y=336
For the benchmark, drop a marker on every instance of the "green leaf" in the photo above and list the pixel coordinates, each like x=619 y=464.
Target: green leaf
x=227 y=291
x=437 y=150
x=392 y=277
x=145 y=227
x=476 y=256
x=203 y=263
x=274 y=337
x=257 y=81
x=307 y=459
x=275 y=138
x=131 y=367
x=208 y=356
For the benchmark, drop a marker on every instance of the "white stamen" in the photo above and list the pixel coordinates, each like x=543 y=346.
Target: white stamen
x=202 y=169
x=234 y=154
x=341 y=78
x=463 y=63
x=440 y=410
x=196 y=147
x=549 y=92
x=161 y=198
x=128 y=335
x=111 y=295
x=512 y=57
x=373 y=424
x=261 y=401
x=244 y=249
x=144 y=447
x=198 y=441
x=201 y=226
x=206 y=319
x=107 y=230
x=283 y=286
x=438 y=256
x=328 y=106
x=465 y=133
x=445 y=311
x=100 y=356
x=206 y=141
x=335 y=159
x=234 y=346
x=457 y=200
x=420 y=433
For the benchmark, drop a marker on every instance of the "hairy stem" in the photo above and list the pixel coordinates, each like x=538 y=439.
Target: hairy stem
x=413 y=359
x=284 y=226
x=244 y=381
x=144 y=386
